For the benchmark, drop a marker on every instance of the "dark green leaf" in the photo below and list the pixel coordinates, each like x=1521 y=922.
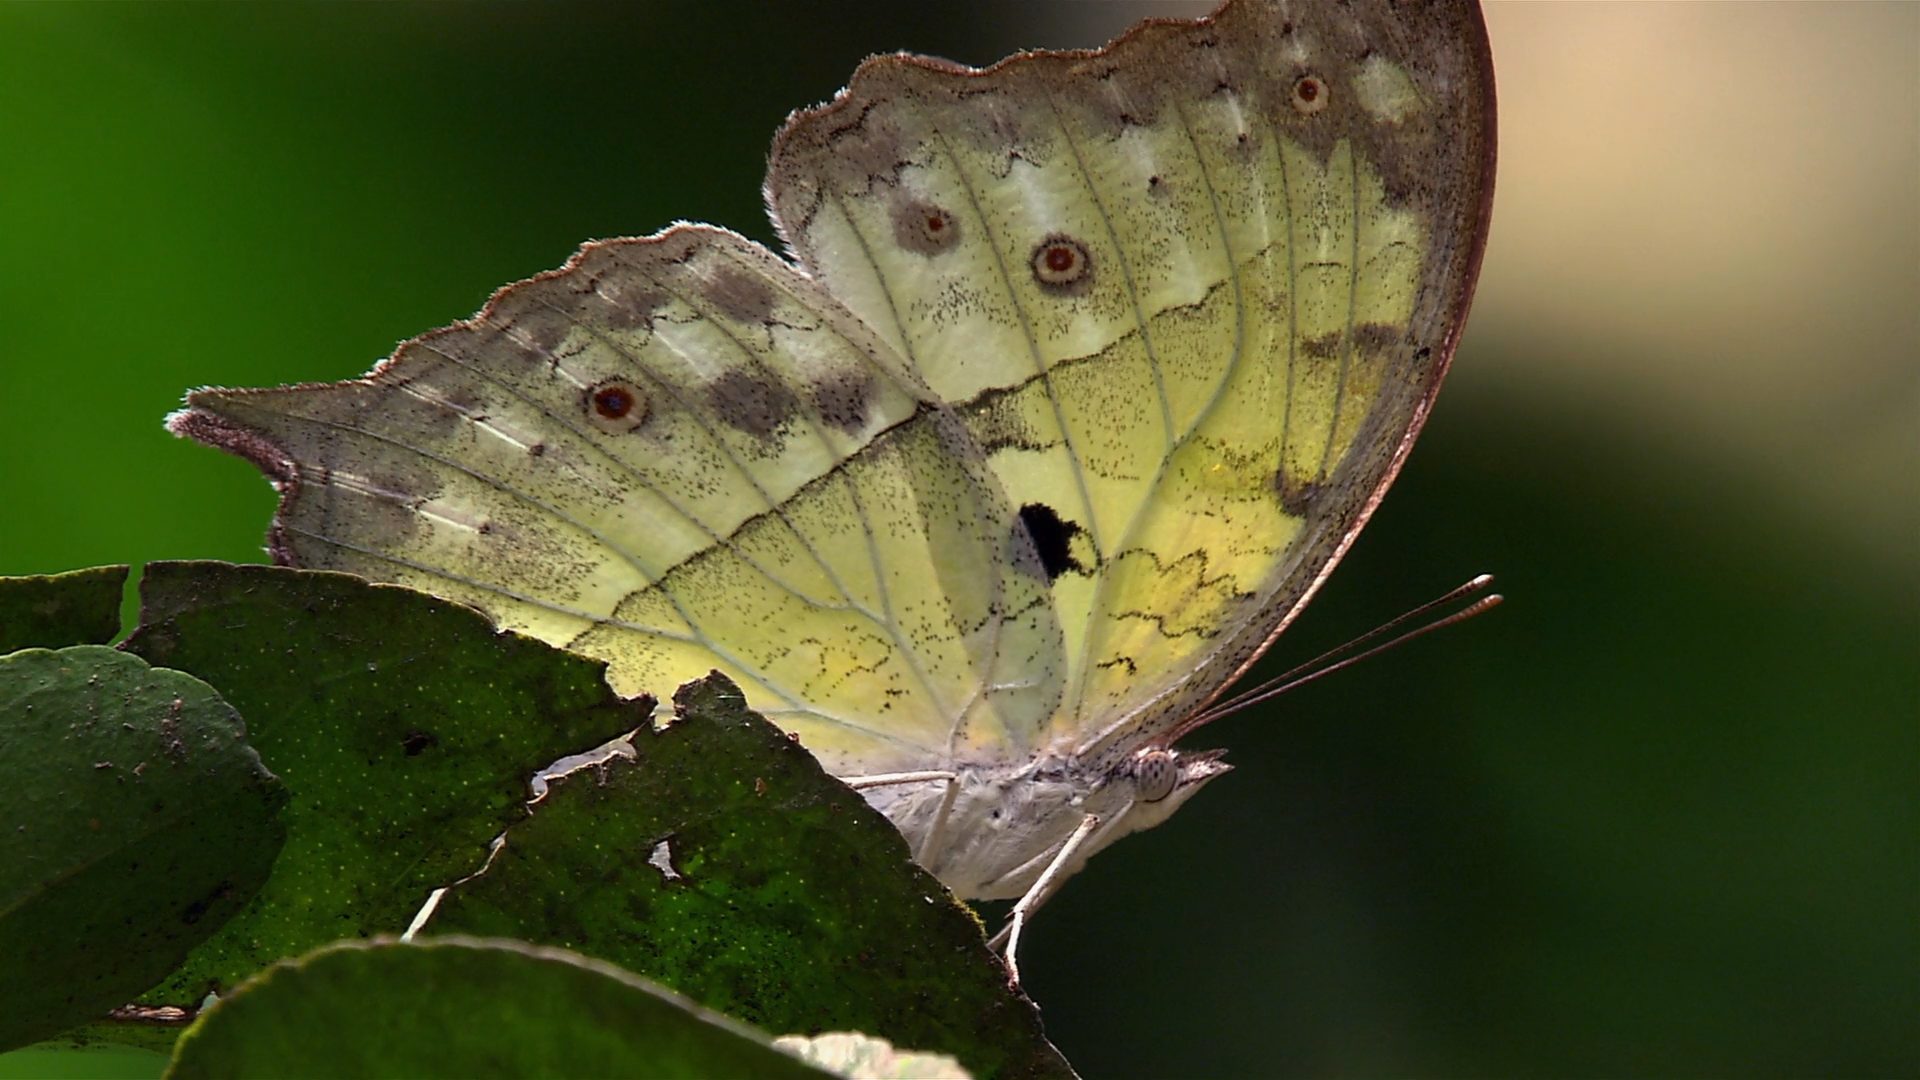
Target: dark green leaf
x=458 y=1008
x=133 y=1027
x=81 y=607
x=726 y=864
x=405 y=728
x=134 y=821
x=45 y=1061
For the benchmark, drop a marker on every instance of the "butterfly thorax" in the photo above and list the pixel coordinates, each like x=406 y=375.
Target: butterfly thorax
x=993 y=831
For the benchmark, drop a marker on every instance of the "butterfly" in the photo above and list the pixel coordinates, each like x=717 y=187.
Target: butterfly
x=1079 y=375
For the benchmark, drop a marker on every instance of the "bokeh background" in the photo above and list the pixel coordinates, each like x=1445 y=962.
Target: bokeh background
x=1654 y=817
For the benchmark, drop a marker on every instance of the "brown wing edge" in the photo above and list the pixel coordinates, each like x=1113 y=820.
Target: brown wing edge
x=209 y=428
x=851 y=100
x=203 y=421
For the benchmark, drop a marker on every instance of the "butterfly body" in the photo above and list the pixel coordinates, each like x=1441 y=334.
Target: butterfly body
x=1083 y=372
x=994 y=835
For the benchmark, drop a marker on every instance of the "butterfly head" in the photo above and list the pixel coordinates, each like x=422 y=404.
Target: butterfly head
x=1163 y=778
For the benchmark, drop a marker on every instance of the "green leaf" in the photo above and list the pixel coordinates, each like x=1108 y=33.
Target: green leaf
x=97 y=1062
x=133 y=1027
x=134 y=821
x=405 y=728
x=81 y=607
x=458 y=1008
x=727 y=864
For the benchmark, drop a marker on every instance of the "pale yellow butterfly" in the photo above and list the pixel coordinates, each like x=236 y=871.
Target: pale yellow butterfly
x=1082 y=373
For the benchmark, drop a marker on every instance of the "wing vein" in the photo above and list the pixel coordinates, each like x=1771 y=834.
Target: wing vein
x=818 y=433
x=1235 y=356
x=890 y=624
x=1277 y=139
x=656 y=581
x=1026 y=331
x=619 y=463
x=798 y=708
x=1126 y=273
x=1346 y=338
x=853 y=491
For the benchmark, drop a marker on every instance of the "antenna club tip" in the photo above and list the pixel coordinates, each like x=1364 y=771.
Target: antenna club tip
x=1480 y=581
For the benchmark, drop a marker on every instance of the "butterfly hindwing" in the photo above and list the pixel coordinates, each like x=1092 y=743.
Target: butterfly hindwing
x=679 y=455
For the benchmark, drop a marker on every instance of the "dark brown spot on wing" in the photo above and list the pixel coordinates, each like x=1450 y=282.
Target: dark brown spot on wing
x=1297 y=496
x=844 y=399
x=615 y=406
x=1118 y=105
x=924 y=228
x=751 y=402
x=740 y=296
x=1375 y=337
x=1324 y=347
x=1309 y=94
x=1246 y=147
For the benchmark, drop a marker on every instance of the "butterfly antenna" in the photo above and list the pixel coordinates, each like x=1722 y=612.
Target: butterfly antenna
x=1313 y=669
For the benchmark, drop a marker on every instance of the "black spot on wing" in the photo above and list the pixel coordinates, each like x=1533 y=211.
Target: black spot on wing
x=1052 y=538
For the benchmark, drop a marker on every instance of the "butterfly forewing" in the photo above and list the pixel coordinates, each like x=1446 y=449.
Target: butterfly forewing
x=1192 y=295
x=679 y=455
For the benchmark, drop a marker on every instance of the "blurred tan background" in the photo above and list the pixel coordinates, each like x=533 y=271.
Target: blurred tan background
x=1709 y=222
x=1707 y=230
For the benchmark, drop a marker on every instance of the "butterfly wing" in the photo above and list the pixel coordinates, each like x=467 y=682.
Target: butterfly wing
x=1099 y=362
x=1193 y=295
x=679 y=455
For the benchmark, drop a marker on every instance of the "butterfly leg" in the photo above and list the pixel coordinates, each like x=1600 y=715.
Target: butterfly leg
x=936 y=833
x=1042 y=888
x=887 y=779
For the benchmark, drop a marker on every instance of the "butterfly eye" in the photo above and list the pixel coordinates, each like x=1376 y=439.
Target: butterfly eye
x=1155 y=773
x=1309 y=94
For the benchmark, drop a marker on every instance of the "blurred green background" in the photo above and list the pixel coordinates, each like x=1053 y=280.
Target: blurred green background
x=1654 y=817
